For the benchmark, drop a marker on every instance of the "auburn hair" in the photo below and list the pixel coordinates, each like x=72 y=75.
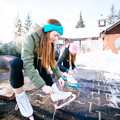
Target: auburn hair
x=46 y=50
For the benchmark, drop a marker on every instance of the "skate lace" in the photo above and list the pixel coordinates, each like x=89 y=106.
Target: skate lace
x=16 y=107
x=23 y=102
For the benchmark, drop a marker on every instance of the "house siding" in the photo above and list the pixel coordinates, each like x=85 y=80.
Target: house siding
x=109 y=42
x=115 y=30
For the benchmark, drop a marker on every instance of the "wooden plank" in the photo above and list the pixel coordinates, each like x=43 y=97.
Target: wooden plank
x=4 y=71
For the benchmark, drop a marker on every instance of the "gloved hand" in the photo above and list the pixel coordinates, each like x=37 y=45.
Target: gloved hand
x=61 y=82
x=70 y=72
x=47 y=89
x=75 y=71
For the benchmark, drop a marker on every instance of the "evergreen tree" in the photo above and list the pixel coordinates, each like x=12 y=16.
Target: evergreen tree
x=112 y=17
x=17 y=26
x=80 y=23
x=28 y=23
x=118 y=15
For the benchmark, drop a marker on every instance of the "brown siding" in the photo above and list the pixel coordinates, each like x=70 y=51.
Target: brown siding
x=109 y=42
x=115 y=30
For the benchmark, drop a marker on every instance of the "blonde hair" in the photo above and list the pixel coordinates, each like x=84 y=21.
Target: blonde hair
x=46 y=50
x=71 y=58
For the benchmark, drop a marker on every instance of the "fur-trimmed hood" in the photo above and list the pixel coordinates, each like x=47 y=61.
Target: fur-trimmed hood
x=36 y=29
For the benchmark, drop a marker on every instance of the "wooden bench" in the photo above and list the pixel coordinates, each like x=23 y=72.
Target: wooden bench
x=12 y=97
x=4 y=71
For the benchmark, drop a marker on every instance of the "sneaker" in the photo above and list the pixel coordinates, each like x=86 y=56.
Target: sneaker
x=59 y=95
x=23 y=104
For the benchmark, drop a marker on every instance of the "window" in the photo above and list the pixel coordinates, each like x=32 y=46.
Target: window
x=101 y=23
x=117 y=43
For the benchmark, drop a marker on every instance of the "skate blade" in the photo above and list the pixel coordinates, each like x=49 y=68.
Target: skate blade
x=73 y=85
x=66 y=102
x=31 y=118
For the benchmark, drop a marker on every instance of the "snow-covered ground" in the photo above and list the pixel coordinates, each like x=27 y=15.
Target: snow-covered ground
x=100 y=60
x=108 y=61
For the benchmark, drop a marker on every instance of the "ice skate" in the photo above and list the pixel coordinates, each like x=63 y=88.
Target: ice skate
x=65 y=79
x=71 y=81
x=24 y=105
x=64 y=76
x=61 y=98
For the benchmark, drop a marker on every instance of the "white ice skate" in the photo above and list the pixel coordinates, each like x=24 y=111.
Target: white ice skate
x=61 y=98
x=24 y=105
x=71 y=81
x=64 y=76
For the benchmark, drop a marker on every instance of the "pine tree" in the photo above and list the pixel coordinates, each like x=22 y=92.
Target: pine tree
x=118 y=15
x=17 y=26
x=28 y=23
x=80 y=23
x=112 y=17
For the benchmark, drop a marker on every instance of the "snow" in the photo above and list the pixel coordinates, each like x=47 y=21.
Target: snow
x=87 y=32
x=107 y=61
x=80 y=32
x=100 y=60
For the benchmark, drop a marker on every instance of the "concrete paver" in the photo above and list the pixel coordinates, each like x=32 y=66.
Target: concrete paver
x=93 y=101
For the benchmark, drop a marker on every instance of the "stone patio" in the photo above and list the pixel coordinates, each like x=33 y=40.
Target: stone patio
x=94 y=99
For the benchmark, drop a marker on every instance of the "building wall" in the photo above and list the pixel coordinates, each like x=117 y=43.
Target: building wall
x=115 y=30
x=109 y=42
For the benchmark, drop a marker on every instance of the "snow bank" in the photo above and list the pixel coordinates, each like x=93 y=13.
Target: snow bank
x=100 y=60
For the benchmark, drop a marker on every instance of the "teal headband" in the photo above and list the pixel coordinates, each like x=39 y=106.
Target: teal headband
x=51 y=27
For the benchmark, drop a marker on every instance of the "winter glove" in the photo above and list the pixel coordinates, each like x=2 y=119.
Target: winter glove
x=61 y=82
x=70 y=72
x=75 y=71
x=47 y=89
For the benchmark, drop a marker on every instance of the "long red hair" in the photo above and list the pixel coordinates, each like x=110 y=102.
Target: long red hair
x=46 y=50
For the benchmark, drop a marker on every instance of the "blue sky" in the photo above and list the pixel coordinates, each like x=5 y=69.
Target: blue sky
x=66 y=11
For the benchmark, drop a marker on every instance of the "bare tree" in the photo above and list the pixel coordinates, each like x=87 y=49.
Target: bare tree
x=112 y=18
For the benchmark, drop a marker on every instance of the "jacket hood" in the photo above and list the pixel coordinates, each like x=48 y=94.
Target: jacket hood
x=36 y=29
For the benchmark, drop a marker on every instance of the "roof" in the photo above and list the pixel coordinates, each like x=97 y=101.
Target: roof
x=113 y=25
x=94 y=33
x=81 y=33
x=108 y=28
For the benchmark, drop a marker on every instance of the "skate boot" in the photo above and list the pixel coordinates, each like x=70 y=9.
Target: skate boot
x=71 y=81
x=64 y=76
x=61 y=98
x=24 y=105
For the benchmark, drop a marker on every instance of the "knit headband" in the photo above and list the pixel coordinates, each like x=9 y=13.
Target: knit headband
x=51 y=27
